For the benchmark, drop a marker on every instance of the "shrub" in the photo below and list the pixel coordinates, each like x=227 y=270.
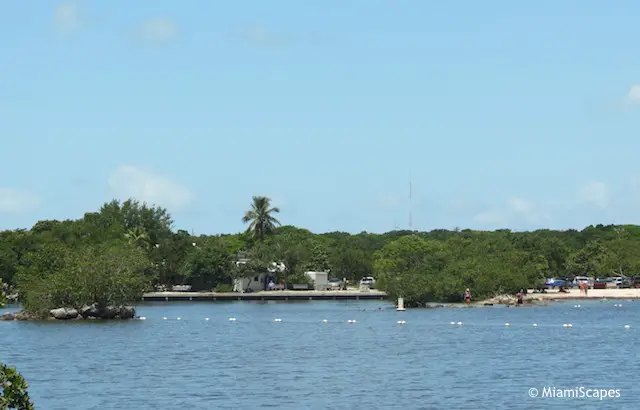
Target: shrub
x=109 y=274
x=14 y=390
x=223 y=288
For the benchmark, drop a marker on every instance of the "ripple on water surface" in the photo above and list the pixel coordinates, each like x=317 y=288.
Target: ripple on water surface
x=303 y=363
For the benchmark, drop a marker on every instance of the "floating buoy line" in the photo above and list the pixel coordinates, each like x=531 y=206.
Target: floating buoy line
x=354 y=321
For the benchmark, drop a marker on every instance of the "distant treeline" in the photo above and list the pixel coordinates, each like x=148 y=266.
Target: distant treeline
x=113 y=255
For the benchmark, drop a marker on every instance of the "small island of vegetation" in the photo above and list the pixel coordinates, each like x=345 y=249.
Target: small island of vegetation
x=99 y=265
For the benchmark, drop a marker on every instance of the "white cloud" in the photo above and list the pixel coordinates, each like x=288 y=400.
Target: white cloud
x=65 y=16
x=159 y=30
x=595 y=193
x=515 y=209
x=128 y=181
x=491 y=218
x=634 y=94
x=12 y=201
x=519 y=205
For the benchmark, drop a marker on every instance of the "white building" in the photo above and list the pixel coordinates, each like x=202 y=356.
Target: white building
x=259 y=282
x=320 y=279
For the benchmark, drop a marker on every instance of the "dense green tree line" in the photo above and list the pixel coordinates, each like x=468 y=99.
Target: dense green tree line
x=114 y=254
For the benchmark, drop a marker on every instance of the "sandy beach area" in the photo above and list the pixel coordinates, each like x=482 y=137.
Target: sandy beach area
x=591 y=294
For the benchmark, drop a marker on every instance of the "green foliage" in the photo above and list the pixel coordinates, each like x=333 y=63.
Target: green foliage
x=14 y=390
x=223 y=288
x=3 y=295
x=319 y=261
x=111 y=273
x=208 y=265
x=349 y=262
x=299 y=278
x=423 y=270
x=588 y=261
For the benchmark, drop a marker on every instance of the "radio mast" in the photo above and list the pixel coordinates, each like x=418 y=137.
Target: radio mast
x=410 y=203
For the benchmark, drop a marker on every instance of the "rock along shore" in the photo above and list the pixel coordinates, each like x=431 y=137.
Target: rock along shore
x=91 y=312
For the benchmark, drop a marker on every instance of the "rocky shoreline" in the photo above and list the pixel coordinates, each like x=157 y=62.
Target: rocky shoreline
x=510 y=300
x=92 y=312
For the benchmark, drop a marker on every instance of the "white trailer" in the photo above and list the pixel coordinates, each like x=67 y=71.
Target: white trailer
x=320 y=279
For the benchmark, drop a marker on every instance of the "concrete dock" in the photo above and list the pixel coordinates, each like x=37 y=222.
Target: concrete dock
x=282 y=295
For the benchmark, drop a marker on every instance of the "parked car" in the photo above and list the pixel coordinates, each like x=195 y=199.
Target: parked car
x=626 y=283
x=601 y=283
x=583 y=279
x=335 y=283
x=555 y=283
x=181 y=288
x=368 y=280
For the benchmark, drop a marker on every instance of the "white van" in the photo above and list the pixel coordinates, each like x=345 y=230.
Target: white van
x=580 y=279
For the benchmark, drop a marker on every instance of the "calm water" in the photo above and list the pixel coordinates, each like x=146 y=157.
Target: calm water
x=302 y=363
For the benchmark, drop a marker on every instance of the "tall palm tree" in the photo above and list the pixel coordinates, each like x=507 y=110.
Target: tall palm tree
x=260 y=219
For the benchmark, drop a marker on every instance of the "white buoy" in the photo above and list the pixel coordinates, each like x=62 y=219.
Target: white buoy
x=142 y=318
x=452 y=323
x=400 y=307
x=459 y=323
x=351 y=321
x=507 y=324
x=535 y=325
x=206 y=318
x=179 y=318
x=579 y=305
x=325 y=321
x=164 y=318
x=402 y=322
x=277 y=320
x=627 y=326
x=232 y=319
x=565 y=325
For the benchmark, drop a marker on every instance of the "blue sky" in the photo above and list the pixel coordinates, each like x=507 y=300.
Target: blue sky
x=518 y=115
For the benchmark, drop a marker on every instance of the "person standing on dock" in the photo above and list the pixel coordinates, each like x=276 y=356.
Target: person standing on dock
x=520 y=297
x=467 y=296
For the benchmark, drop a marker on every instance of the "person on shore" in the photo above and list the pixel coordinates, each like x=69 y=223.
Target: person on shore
x=520 y=297
x=467 y=296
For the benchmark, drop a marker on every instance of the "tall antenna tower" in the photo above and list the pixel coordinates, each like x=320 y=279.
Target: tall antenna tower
x=410 y=203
